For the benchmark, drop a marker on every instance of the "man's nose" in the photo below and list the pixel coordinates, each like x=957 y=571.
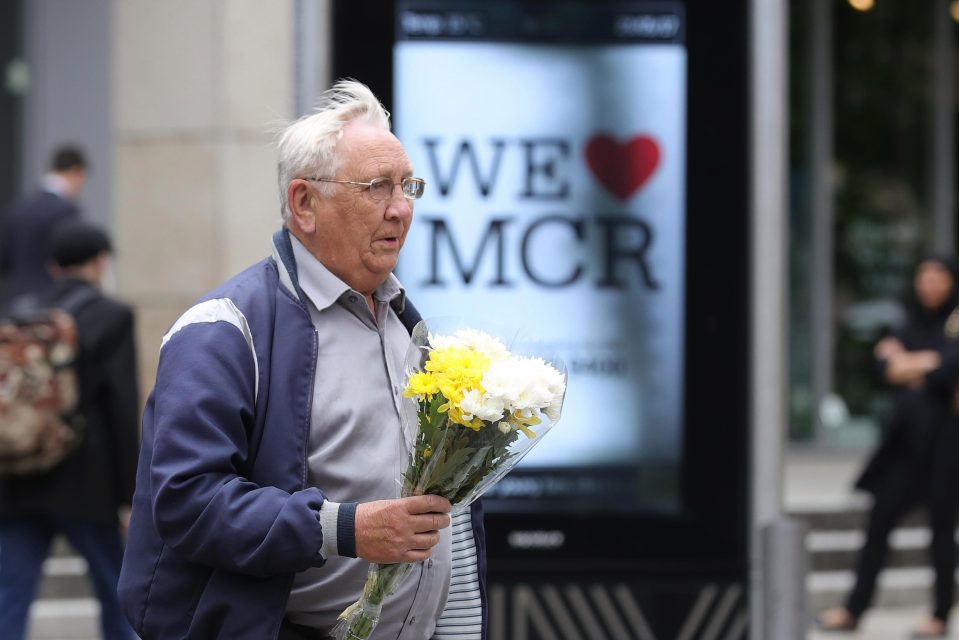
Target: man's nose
x=399 y=206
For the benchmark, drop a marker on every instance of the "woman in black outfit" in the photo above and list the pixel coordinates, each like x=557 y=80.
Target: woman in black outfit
x=917 y=462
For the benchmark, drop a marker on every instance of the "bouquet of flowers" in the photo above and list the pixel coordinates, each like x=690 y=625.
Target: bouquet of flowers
x=479 y=409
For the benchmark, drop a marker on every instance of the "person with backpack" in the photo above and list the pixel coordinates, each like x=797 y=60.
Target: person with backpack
x=86 y=497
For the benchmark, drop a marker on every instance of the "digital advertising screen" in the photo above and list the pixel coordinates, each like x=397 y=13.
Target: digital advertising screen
x=587 y=168
x=553 y=142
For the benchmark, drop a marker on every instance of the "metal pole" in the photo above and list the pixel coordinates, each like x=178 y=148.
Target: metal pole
x=311 y=59
x=821 y=199
x=943 y=131
x=786 y=565
x=768 y=289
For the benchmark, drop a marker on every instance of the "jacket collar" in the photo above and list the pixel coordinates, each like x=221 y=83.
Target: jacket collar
x=286 y=264
x=283 y=255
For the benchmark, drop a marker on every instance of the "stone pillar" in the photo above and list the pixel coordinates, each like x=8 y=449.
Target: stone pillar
x=198 y=87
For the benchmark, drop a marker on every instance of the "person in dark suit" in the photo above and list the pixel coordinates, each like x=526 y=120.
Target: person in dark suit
x=31 y=220
x=87 y=496
x=917 y=463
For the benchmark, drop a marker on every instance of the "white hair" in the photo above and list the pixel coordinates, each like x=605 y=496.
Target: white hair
x=307 y=146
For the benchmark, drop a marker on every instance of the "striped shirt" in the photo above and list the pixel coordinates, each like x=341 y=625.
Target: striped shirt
x=463 y=617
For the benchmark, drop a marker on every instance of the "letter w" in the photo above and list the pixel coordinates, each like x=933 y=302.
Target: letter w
x=484 y=184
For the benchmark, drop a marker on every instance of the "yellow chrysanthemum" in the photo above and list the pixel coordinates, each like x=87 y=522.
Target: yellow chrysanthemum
x=421 y=384
x=452 y=372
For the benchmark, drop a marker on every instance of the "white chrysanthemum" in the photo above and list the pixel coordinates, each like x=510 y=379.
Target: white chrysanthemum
x=513 y=385
x=482 y=406
x=555 y=407
x=471 y=339
x=524 y=385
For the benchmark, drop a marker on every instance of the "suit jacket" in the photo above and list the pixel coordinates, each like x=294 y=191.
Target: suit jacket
x=28 y=226
x=99 y=476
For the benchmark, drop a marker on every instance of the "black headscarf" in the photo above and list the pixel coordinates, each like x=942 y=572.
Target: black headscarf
x=923 y=328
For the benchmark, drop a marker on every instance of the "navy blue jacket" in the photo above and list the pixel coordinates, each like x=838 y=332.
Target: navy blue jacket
x=222 y=515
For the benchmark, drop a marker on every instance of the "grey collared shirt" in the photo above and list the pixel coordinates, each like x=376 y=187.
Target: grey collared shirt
x=357 y=451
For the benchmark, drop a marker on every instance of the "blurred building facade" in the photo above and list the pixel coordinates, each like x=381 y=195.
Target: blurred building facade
x=174 y=102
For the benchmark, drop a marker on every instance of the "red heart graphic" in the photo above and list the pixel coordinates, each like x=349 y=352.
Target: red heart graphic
x=622 y=168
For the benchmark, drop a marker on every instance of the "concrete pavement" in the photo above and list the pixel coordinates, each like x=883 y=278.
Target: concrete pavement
x=67 y=619
x=882 y=624
x=61 y=622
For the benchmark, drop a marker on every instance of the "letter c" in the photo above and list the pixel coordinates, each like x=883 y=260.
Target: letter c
x=579 y=229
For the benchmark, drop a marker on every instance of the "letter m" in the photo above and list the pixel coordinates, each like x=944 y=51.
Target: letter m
x=442 y=236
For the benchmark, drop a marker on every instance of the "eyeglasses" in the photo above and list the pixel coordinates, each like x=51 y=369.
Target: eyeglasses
x=382 y=188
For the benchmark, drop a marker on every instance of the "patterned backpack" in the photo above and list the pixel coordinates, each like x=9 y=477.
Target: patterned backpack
x=40 y=423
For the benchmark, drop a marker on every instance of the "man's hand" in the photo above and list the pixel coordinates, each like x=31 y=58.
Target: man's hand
x=402 y=530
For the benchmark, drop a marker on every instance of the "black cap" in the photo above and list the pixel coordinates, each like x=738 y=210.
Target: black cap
x=75 y=243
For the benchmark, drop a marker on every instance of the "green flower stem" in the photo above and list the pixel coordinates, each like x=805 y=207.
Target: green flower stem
x=379 y=584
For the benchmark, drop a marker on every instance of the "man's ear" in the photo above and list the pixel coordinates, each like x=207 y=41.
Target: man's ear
x=303 y=205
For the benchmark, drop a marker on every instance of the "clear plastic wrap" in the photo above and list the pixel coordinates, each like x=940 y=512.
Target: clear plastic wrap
x=480 y=406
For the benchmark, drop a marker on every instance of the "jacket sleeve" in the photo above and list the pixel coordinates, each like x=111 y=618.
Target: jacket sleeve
x=943 y=381
x=121 y=405
x=203 y=506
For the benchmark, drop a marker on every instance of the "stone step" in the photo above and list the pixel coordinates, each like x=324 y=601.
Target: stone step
x=833 y=541
x=854 y=517
x=60 y=587
x=65 y=619
x=897 y=587
x=64 y=574
x=838 y=550
x=66 y=607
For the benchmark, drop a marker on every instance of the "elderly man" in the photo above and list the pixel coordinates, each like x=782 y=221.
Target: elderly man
x=272 y=440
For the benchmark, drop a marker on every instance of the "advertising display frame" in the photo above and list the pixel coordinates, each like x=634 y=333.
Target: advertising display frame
x=707 y=537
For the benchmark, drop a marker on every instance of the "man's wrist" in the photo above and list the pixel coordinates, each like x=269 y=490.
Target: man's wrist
x=338 y=522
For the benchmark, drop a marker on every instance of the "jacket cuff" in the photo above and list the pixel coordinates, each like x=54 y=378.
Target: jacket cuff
x=338 y=522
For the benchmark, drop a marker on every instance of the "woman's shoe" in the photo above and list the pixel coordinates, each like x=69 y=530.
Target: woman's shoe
x=837 y=620
x=931 y=629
